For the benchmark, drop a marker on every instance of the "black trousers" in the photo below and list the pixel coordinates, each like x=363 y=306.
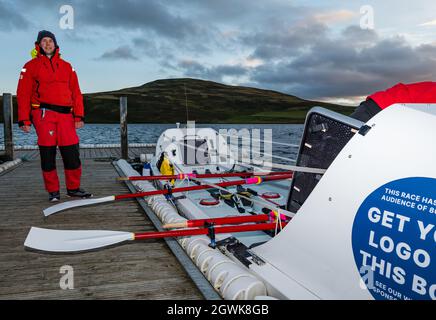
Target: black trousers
x=72 y=166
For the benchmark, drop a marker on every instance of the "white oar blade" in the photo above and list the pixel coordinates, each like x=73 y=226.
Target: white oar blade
x=73 y=240
x=75 y=203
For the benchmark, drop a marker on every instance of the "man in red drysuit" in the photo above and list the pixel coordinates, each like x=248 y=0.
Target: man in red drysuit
x=420 y=92
x=49 y=97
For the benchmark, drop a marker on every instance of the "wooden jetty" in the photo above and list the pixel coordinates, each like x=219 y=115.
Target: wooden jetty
x=132 y=271
x=143 y=270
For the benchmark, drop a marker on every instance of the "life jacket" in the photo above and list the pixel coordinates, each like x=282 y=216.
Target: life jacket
x=165 y=167
x=420 y=92
x=48 y=81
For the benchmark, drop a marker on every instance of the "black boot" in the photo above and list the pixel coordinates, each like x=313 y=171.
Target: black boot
x=79 y=193
x=54 y=196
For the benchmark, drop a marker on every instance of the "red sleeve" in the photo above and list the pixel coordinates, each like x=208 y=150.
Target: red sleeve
x=397 y=94
x=420 y=92
x=24 y=94
x=78 y=108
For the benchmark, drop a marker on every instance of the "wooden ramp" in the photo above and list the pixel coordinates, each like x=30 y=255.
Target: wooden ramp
x=143 y=270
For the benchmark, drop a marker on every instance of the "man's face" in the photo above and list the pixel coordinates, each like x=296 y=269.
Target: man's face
x=47 y=44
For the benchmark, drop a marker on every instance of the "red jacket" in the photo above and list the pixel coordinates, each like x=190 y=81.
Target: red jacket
x=421 y=92
x=50 y=81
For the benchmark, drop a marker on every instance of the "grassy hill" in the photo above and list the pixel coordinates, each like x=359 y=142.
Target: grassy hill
x=163 y=101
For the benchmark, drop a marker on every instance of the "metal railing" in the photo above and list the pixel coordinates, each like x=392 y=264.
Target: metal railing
x=9 y=148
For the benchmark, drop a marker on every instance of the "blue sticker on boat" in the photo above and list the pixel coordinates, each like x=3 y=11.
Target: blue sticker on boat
x=394 y=240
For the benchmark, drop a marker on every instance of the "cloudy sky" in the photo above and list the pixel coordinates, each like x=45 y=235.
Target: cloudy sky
x=327 y=50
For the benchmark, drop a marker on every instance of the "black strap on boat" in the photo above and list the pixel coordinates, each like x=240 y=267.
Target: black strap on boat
x=211 y=233
x=253 y=192
x=169 y=193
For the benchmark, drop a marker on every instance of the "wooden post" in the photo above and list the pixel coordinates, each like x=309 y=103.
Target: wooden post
x=123 y=128
x=8 y=113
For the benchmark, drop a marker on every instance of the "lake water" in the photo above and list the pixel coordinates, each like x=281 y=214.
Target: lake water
x=149 y=133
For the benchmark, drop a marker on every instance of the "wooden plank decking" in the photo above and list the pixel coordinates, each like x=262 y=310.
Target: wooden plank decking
x=145 y=270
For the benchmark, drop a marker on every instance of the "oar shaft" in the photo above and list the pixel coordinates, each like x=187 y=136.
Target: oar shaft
x=228 y=220
x=201 y=231
x=254 y=180
x=205 y=175
x=218 y=221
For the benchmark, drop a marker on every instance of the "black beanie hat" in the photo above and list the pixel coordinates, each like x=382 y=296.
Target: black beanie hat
x=44 y=33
